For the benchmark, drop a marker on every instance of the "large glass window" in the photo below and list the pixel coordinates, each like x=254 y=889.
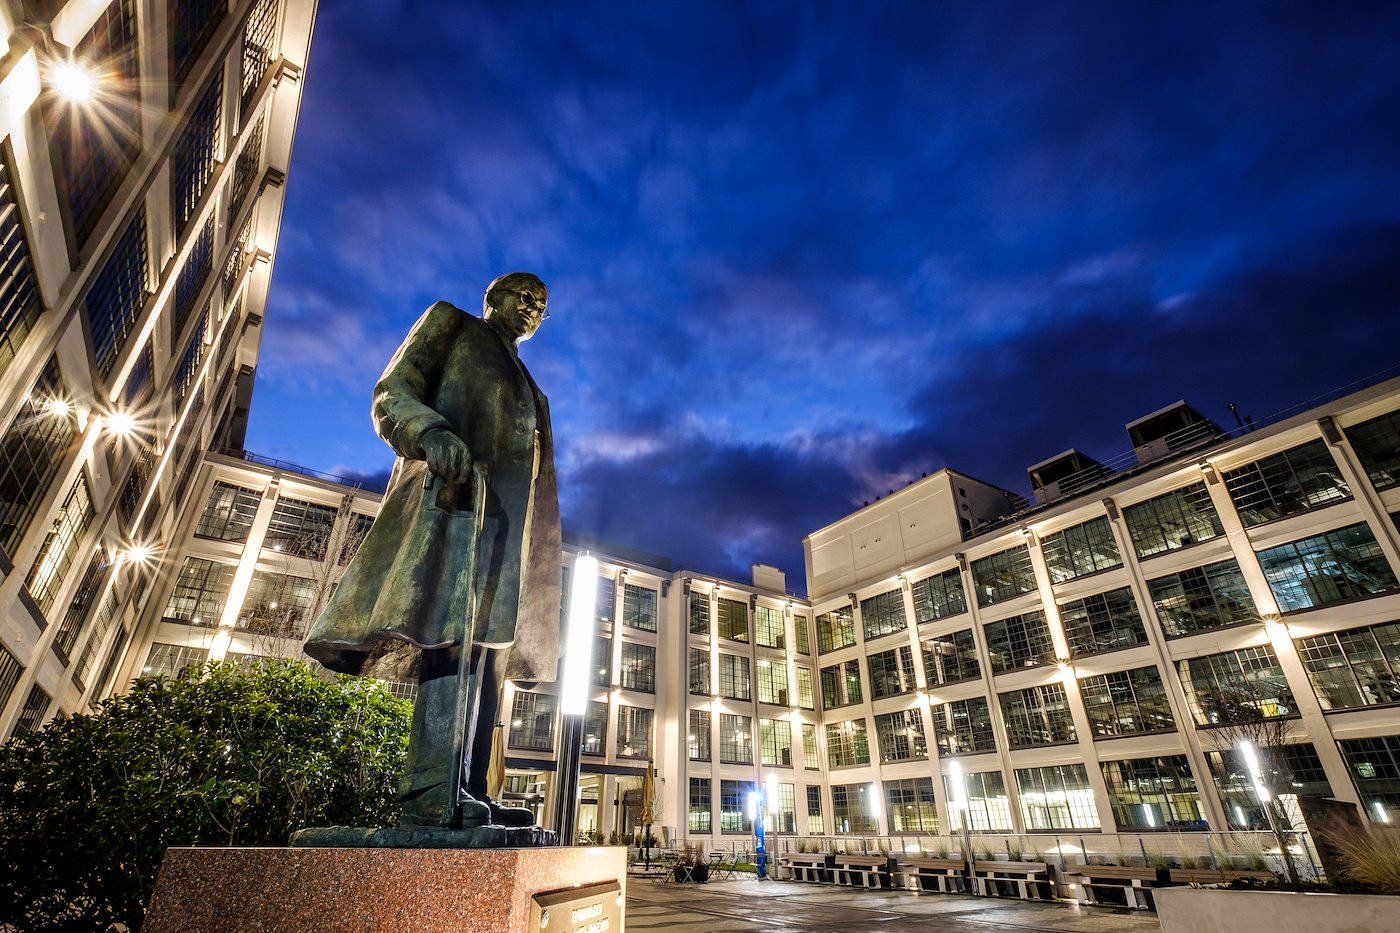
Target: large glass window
x=192 y=23
x=1377 y=446
x=950 y=658
x=300 y=528
x=699 y=674
x=1375 y=767
x=1057 y=797
x=199 y=593
x=1081 y=550
x=801 y=637
x=80 y=604
x=605 y=601
x=1003 y=576
x=768 y=627
x=847 y=744
x=772 y=682
x=891 y=672
x=245 y=170
x=1294 y=769
x=32 y=713
x=595 y=728
x=910 y=807
x=939 y=596
x=734 y=677
x=20 y=303
x=1103 y=622
x=278 y=604
x=167 y=660
x=781 y=815
x=841 y=684
x=633 y=732
x=1173 y=521
x=806 y=698
x=735 y=739
x=638 y=667
x=811 y=755
x=836 y=630
x=1225 y=688
x=30 y=454
x=963 y=727
x=853 y=809
x=532 y=721
x=1202 y=598
x=228 y=515
x=733 y=620
x=1126 y=702
x=192 y=158
x=1020 y=641
x=199 y=263
x=1357 y=667
x=698 y=820
x=1334 y=567
x=883 y=614
x=988 y=808
x=734 y=807
x=901 y=736
x=60 y=545
x=697 y=740
x=775 y=742
x=602 y=661
x=814 y=811
x=639 y=607
x=699 y=613
x=259 y=33
x=1037 y=716
x=356 y=530
x=117 y=292
x=1154 y=793
x=1295 y=480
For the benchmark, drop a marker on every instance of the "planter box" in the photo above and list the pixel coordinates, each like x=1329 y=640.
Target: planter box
x=1190 y=910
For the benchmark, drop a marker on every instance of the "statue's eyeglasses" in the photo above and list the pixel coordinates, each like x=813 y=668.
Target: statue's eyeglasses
x=530 y=301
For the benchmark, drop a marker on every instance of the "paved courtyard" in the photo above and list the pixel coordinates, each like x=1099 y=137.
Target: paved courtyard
x=771 y=905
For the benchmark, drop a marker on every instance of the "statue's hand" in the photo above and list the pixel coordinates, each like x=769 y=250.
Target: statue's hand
x=447 y=455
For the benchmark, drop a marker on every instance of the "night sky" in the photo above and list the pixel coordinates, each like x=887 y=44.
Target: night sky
x=800 y=253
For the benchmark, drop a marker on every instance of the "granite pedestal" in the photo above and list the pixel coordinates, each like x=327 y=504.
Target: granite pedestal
x=334 y=889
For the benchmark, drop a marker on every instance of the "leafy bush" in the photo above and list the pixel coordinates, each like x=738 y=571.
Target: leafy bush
x=235 y=754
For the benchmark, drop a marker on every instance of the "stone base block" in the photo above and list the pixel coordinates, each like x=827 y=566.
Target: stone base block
x=423 y=837
x=334 y=889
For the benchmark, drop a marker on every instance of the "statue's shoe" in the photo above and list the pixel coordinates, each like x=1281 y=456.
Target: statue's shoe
x=511 y=816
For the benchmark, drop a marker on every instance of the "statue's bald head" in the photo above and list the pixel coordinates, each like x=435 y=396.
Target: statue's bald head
x=516 y=303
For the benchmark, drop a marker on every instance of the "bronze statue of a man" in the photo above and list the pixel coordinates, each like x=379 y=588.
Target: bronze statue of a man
x=452 y=561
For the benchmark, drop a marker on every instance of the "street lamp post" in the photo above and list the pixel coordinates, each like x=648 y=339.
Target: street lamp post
x=573 y=693
x=1256 y=777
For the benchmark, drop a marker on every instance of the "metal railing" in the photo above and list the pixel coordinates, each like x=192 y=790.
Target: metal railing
x=288 y=467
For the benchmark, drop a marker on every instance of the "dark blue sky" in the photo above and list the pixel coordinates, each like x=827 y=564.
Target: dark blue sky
x=799 y=255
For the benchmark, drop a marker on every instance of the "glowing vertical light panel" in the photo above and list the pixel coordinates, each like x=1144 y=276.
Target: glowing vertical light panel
x=578 y=641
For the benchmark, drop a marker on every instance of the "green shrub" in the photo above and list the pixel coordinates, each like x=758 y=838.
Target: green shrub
x=232 y=755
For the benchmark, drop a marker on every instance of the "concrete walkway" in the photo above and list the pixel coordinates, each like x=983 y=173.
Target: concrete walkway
x=781 y=906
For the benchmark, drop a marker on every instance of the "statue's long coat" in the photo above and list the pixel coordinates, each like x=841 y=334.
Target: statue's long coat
x=454 y=371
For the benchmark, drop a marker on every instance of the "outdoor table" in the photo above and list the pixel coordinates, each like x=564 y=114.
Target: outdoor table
x=1132 y=881
x=989 y=876
x=947 y=873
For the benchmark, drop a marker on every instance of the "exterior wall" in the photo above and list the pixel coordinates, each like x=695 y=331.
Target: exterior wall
x=70 y=671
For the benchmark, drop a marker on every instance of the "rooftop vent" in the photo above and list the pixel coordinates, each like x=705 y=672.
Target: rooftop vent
x=1170 y=430
x=1064 y=474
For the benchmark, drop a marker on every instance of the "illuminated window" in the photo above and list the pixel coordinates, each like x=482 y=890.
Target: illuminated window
x=117 y=292
x=1377 y=446
x=1202 y=598
x=192 y=158
x=698 y=738
x=805 y=696
x=1154 y=794
x=735 y=739
x=775 y=743
x=1037 y=716
x=532 y=721
x=191 y=24
x=165 y=660
x=883 y=614
x=278 y=604
x=900 y=736
x=1295 y=770
x=245 y=170
x=20 y=304
x=1126 y=702
x=80 y=604
x=963 y=727
x=772 y=682
x=891 y=672
x=602 y=661
x=811 y=755
x=910 y=806
x=841 y=684
x=699 y=673
x=1081 y=550
x=1172 y=521
x=1056 y=797
x=30 y=453
x=638 y=607
x=595 y=729
x=638 y=667
x=355 y=532
x=1003 y=576
x=1020 y=641
x=699 y=613
x=188 y=368
x=300 y=529
x=1356 y=667
x=1334 y=567
x=814 y=811
x=988 y=809
x=1102 y=622
x=800 y=634
x=835 y=630
x=61 y=544
x=847 y=744
x=852 y=809
x=734 y=807
x=768 y=627
x=939 y=596
x=1293 y=481
x=734 y=677
x=733 y=620
x=199 y=593
x=700 y=812
x=950 y=658
x=192 y=277
x=31 y=714
x=259 y=33
x=1227 y=687
x=633 y=732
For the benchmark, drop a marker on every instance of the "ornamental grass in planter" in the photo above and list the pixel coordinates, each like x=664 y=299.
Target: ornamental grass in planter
x=1371 y=856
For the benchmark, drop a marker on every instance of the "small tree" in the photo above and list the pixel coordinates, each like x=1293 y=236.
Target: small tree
x=231 y=755
x=1239 y=713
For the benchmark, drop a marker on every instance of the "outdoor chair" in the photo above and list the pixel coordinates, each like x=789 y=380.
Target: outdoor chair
x=716 y=864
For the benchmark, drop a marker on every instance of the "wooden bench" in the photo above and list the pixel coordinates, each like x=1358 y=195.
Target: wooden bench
x=946 y=873
x=1032 y=879
x=804 y=866
x=867 y=868
x=1217 y=875
x=1131 y=880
